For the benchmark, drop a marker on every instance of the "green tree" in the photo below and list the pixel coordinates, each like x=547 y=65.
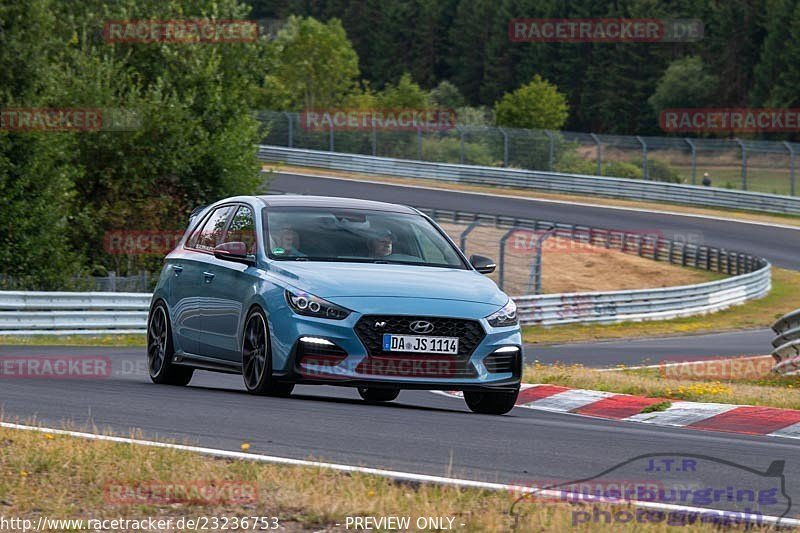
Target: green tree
x=537 y=105
x=685 y=83
x=446 y=95
x=407 y=94
x=315 y=62
x=36 y=174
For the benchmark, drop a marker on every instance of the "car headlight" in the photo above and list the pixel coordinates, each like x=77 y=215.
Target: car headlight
x=307 y=304
x=507 y=316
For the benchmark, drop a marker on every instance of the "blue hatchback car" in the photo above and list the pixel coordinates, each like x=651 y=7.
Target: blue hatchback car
x=334 y=291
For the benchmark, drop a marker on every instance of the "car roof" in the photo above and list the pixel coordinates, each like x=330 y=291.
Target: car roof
x=296 y=200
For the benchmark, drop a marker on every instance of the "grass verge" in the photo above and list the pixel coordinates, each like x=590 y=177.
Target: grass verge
x=62 y=477
x=783 y=298
x=74 y=340
x=764 y=390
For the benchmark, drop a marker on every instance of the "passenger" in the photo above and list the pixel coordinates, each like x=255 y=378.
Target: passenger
x=289 y=243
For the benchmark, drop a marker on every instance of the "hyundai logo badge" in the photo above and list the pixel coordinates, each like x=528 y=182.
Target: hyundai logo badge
x=421 y=326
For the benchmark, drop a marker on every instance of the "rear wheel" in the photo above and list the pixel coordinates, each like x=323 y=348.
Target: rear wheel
x=257 y=359
x=378 y=395
x=491 y=403
x=160 y=351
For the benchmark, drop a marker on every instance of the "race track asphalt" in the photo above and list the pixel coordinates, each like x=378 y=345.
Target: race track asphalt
x=420 y=432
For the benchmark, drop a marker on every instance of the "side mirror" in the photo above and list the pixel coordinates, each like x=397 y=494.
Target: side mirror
x=234 y=251
x=482 y=264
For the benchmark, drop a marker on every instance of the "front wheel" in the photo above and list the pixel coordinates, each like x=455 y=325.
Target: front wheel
x=491 y=403
x=378 y=395
x=257 y=359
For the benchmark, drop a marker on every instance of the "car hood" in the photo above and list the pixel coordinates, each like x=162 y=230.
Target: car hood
x=331 y=280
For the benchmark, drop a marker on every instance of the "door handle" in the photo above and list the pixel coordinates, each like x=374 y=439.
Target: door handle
x=177 y=269
x=209 y=276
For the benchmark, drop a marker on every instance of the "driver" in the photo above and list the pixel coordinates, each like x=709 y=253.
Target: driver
x=381 y=244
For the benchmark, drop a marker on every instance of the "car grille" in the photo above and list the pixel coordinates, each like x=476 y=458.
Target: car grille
x=426 y=365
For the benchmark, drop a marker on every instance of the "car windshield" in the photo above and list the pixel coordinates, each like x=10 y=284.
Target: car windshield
x=357 y=235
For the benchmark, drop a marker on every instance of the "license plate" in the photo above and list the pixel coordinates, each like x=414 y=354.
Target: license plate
x=415 y=343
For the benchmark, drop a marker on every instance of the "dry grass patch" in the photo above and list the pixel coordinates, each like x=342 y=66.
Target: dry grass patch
x=572 y=266
x=64 y=477
x=769 y=391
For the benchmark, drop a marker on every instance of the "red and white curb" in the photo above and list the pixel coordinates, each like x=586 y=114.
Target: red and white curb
x=744 y=419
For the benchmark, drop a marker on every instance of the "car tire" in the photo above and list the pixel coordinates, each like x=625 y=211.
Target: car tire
x=491 y=403
x=257 y=358
x=374 y=395
x=160 y=350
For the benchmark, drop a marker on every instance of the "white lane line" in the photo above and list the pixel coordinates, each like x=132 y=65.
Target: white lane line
x=568 y=400
x=789 y=432
x=682 y=413
x=552 y=201
x=394 y=474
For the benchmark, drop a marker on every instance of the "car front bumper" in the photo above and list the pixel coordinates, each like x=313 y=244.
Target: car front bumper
x=331 y=352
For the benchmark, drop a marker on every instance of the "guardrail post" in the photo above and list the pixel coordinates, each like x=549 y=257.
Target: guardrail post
x=502 y=267
x=644 y=157
x=744 y=163
x=419 y=143
x=374 y=138
x=290 y=132
x=505 y=146
x=461 y=145
x=551 y=155
x=599 y=154
x=112 y=281
x=694 y=159
x=788 y=146
x=330 y=135
x=463 y=238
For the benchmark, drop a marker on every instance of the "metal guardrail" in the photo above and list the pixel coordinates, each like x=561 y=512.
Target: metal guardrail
x=751 y=276
x=26 y=313
x=746 y=164
x=629 y=189
x=787 y=344
x=31 y=313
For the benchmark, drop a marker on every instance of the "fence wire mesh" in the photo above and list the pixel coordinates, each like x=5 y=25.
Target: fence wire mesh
x=753 y=165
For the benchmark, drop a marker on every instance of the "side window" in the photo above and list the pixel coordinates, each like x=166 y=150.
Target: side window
x=209 y=235
x=243 y=229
